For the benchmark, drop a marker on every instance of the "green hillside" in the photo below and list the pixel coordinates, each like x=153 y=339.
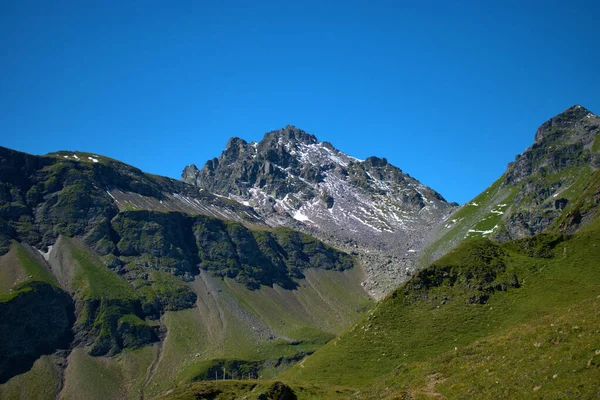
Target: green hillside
x=526 y=200
x=487 y=320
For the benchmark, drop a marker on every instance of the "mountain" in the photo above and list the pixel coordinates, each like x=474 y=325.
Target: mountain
x=369 y=207
x=512 y=311
x=535 y=189
x=117 y=283
x=487 y=321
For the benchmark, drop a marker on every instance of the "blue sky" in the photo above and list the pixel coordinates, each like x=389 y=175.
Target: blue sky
x=448 y=91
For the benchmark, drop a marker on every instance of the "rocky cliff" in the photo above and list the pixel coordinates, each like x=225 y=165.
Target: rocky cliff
x=124 y=244
x=367 y=206
x=537 y=189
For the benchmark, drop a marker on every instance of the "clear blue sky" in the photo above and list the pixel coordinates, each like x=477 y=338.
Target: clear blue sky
x=448 y=91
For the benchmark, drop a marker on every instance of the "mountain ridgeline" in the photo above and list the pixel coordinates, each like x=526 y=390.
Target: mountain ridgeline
x=105 y=250
x=534 y=192
x=115 y=283
x=367 y=206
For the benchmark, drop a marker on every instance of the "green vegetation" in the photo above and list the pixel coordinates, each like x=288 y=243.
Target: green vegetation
x=103 y=299
x=111 y=311
x=162 y=291
x=437 y=327
x=30 y=269
x=582 y=209
x=40 y=382
x=261 y=257
x=480 y=215
x=254 y=332
x=555 y=356
x=178 y=243
x=257 y=390
x=596 y=144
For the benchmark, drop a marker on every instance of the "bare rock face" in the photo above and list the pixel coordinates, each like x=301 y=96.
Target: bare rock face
x=565 y=147
x=368 y=207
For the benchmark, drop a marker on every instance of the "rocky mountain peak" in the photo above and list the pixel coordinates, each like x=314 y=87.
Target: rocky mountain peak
x=564 y=153
x=290 y=178
x=565 y=140
x=290 y=134
x=574 y=120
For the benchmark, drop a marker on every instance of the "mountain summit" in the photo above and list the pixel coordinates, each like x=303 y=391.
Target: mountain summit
x=535 y=191
x=290 y=178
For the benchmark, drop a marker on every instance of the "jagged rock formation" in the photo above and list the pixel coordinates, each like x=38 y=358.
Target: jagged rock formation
x=534 y=192
x=367 y=206
x=565 y=148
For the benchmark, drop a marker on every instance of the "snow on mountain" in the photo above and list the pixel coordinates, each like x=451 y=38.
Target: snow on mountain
x=368 y=207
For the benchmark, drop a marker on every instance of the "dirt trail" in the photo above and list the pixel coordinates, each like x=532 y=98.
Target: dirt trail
x=429 y=390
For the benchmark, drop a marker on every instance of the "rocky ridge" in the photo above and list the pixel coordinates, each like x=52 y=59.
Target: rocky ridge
x=566 y=149
x=369 y=207
x=535 y=191
x=123 y=244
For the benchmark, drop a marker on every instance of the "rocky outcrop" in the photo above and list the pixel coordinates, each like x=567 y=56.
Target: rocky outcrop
x=278 y=391
x=566 y=148
x=367 y=207
x=180 y=244
x=36 y=321
x=77 y=194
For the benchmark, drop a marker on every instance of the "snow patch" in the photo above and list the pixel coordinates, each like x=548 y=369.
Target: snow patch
x=483 y=233
x=301 y=217
x=46 y=255
x=93 y=159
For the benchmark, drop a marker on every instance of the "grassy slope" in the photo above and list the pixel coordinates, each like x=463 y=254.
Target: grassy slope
x=292 y=322
x=476 y=215
x=485 y=214
x=221 y=327
x=252 y=389
x=407 y=336
x=40 y=382
x=18 y=268
x=555 y=356
x=121 y=376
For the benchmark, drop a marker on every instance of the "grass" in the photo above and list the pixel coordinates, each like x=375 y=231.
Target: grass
x=596 y=145
x=94 y=280
x=120 y=377
x=474 y=215
x=252 y=389
x=40 y=382
x=104 y=301
x=219 y=332
x=415 y=327
x=555 y=356
x=31 y=271
x=488 y=223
